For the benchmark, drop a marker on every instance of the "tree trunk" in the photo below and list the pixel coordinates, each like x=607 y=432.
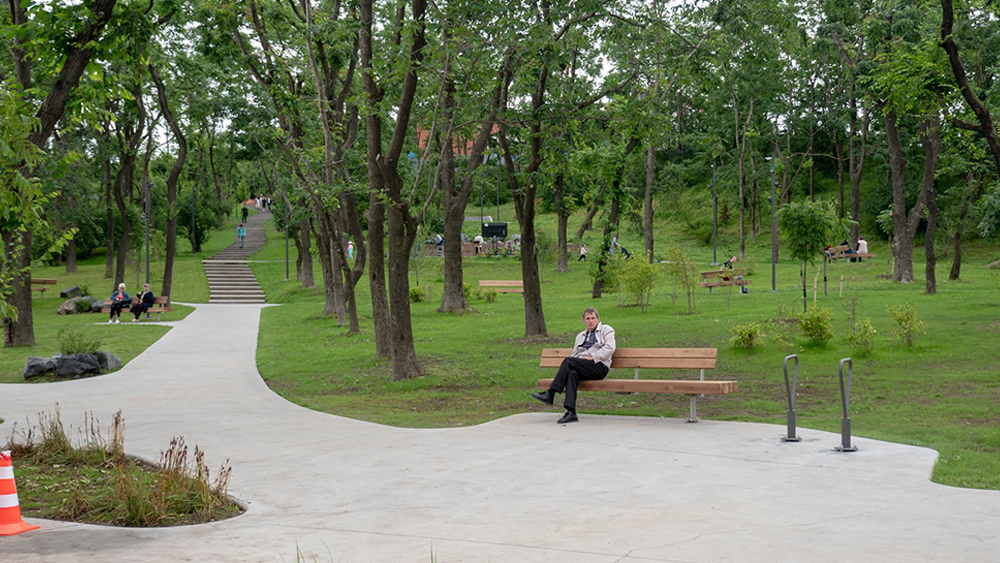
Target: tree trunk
x=932 y=212
x=220 y=219
x=175 y=173
x=905 y=225
x=562 y=220
x=588 y=221
x=22 y=331
x=956 y=265
x=647 y=209
x=109 y=213
x=304 y=246
x=71 y=256
x=376 y=274
x=612 y=224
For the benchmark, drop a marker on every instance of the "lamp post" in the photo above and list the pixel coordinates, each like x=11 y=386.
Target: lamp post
x=715 y=219
x=287 y=219
x=146 y=217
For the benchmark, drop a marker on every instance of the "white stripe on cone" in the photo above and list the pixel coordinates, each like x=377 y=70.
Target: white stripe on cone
x=6 y=472
x=8 y=501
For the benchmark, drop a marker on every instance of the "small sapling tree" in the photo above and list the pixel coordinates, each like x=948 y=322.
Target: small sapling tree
x=807 y=227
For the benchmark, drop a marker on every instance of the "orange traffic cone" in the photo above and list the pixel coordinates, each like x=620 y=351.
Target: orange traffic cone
x=10 y=509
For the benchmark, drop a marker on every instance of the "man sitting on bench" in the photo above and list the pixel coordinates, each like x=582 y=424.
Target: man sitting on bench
x=590 y=360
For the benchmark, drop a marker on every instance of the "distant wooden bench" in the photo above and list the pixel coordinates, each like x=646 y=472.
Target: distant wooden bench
x=652 y=358
x=844 y=251
x=42 y=284
x=504 y=286
x=160 y=305
x=470 y=249
x=723 y=278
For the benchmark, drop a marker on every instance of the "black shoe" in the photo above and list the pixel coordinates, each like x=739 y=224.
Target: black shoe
x=545 y=397
x=570 y=416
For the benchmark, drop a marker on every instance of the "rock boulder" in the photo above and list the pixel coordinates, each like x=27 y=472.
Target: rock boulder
x=73 y=291
x=108 y=361
x=34 y=366
x=76 y=365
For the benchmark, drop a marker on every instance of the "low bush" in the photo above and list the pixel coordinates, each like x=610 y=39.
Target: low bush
x=748 y=336
x=815 y=325
x=908 y=327
x=76 y=342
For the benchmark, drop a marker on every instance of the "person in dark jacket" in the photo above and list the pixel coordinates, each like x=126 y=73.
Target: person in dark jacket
x=119 y=300
x=143 y=303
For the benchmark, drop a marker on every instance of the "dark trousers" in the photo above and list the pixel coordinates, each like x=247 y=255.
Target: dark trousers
x=571 y=373
x=116 y=308
x=138 y=309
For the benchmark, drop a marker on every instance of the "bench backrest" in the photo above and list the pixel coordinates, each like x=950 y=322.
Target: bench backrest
x=43 y=281
x=162 y=300
x=652 y=358
x=726 y=272
x=501 y=283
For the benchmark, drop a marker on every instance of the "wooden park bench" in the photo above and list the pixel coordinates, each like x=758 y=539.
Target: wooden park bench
x=652 y=358
x=160 y=305
x=42 y=285
x=843 y=251
x=504 y=286
x=723 y=278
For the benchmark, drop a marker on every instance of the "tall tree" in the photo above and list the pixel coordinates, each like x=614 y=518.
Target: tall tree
x=74 y=55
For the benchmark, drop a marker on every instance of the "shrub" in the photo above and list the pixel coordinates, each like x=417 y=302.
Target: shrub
x=76 y=342
x=816 y=326
x=907 y=325
x=418 y=294
x=862 y=336
x=488 y=294
x=636 y=278
x=82 y=305
x=748 y=336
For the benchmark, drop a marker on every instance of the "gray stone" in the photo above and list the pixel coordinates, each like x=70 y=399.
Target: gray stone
x=35 y=366
x=108 y=361
x=76 y=365
x=68 y=307
x=96 y=305
x=73 y=291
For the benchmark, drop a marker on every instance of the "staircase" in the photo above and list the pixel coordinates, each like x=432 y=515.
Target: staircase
x=229 y=278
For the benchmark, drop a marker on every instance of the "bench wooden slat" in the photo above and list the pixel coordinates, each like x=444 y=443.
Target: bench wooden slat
x=673 y=386
x=725 y=283
x=723 y=273
x=501 y=283
x=43 y=281
x=652 y=358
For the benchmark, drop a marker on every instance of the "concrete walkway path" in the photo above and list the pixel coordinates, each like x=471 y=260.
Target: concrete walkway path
x=519 y=489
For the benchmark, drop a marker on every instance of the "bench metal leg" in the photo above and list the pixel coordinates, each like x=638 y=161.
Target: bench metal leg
x=693 y=410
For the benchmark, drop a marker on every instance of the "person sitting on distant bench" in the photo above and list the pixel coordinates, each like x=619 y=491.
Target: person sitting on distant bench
x=145 y=301
x=731 y=265
x=119 y=300
x=862 y=249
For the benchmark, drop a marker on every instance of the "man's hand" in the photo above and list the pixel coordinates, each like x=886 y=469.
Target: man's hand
x=587 y=358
